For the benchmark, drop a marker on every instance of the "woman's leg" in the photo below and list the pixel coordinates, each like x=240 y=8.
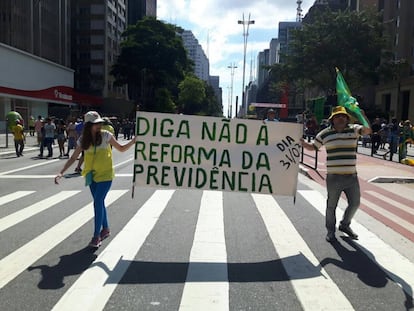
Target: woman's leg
x=99 y=191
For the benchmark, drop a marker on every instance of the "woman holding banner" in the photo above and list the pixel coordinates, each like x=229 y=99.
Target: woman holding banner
x=98 y=170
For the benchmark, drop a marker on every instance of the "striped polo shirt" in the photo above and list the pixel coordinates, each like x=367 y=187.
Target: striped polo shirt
x=340 y=147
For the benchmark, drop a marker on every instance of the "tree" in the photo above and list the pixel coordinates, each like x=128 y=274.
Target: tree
x=191 y=95
x=152 y=62
x=349 y=40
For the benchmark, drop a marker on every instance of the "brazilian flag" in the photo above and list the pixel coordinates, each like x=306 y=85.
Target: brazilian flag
x=346 y=100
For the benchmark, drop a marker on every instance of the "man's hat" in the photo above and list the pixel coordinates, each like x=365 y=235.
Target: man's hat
x=339 y=110
x=271 y=111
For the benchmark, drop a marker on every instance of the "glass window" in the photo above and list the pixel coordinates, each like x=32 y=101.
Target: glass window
x=97 y=24
x=97 y=9
x=95 y=39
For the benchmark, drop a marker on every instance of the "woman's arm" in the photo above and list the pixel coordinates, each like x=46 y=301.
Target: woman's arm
x=120 y=147
x=68 y=163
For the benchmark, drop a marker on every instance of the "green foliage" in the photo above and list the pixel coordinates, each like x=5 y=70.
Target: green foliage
x=152 y=62
x=349 y=40
x=197 y=97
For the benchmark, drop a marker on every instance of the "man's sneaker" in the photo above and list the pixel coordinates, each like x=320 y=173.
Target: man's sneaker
x=348 y=231
x=95 y=242
x=105 y=233
x=330 y=237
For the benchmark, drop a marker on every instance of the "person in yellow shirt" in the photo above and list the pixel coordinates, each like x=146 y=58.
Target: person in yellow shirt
x=19 y=138
x=98 y=168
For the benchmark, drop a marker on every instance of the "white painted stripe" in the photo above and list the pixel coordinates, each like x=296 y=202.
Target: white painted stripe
x=14 y=196
x=397 y=266
x=124 y=162
x=18 y=261
x=25 y=213
x=30 y=166
x=47 y=176
x=402 y=222
x=209 y=246
x=398 y=205
x=91 y=290
x=287 y=242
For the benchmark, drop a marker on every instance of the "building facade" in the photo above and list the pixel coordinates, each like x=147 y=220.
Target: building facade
x=35 y=74
x=96 y=37
x=137 y=9
x=396 y=98
x=197 y=55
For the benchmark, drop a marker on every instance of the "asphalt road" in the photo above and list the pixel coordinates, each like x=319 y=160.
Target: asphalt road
x=183 y=249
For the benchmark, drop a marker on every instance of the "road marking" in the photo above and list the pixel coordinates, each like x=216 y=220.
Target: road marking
x=308 y=278
x=398 y=205
x=27 y=167
x=18 y=261
x=25 y=213
x=209 y=246
x=398 y=220
x=122 y=163
x=92 y=290
x=397 y=266
x=46 y=176
x=14 y=196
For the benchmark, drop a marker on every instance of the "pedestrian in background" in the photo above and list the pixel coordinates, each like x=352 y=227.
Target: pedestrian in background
x=340 y=140
x=50 y=129
x=271 y=116
x=19 y=138
x=38 y=129
x=98 y=171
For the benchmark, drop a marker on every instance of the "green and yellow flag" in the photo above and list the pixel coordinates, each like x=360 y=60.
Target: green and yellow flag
x=346 y=100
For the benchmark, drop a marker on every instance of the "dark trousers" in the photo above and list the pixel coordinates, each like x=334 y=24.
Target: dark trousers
x=19 y=145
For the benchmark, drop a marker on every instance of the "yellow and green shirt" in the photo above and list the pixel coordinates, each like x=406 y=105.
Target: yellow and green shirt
x=99 y=159
x=341 y=148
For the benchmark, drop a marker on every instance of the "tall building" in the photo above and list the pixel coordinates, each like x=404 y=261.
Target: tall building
x=35 y=78
x=285 y=36
x=262 y=71
x=137 y=9
x=39 y=27
x=396 y=98
x=197 y=55
x=96 y=36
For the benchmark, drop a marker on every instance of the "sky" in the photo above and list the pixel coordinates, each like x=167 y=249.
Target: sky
x=214 y=24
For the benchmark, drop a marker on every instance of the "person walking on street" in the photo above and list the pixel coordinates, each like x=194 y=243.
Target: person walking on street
x=98 y=171
x=50 y=129
x=340 y=140
x=38 y=130
x=19 y=138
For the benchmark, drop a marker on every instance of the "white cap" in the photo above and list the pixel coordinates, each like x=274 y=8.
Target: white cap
x=93 y=117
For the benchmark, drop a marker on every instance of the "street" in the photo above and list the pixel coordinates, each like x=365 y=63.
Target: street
x=193 y=250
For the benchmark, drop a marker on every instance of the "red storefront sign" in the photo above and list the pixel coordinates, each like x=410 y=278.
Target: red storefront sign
x=56 y=94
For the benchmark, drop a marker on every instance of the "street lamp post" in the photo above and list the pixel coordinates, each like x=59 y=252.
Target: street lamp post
x=246 y=25
x=232 y=68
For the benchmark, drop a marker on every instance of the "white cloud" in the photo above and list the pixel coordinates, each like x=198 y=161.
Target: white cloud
x=215 y=21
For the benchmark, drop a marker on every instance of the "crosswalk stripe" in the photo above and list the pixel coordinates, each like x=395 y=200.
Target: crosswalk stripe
x=16 y=262
x=398 y=205
x=25 y=213
x=14 y=196
x=27 y=167
x=209 y=246
x=374 y=247
x=92 y=290
x=398 y=220
x=308 y=279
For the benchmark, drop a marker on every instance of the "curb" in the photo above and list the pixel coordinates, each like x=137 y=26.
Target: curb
x=392 y=179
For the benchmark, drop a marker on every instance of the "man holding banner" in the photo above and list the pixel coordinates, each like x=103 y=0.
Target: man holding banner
x=340 y=140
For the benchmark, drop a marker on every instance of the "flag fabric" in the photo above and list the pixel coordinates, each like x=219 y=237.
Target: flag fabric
x=345 y=99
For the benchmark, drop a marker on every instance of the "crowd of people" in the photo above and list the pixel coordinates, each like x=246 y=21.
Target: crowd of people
x=50 y=131
x=392 y=137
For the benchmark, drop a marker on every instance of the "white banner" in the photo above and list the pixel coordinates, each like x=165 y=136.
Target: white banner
x=198 y=152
